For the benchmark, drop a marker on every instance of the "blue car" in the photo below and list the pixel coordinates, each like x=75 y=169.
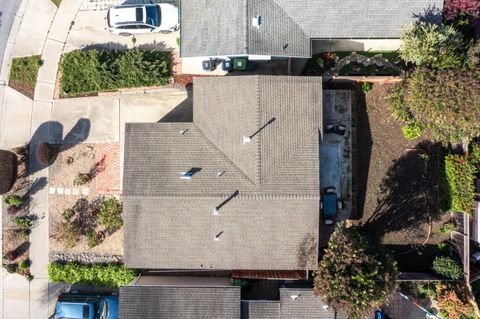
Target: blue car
x=77 y=306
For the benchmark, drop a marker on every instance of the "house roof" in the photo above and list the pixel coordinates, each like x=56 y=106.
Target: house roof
x=172 y=302
x=223 y=27
x=269 y=187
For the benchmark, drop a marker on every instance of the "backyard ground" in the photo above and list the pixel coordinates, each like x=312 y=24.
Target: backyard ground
x=396 y=183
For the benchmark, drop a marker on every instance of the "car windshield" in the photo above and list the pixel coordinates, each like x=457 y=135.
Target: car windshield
x=153 y=15
x=102 y=311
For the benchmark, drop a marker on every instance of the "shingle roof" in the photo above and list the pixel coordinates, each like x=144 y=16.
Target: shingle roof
x=303 y=304
x=271 y=223
x=171 y=302
x=222 y=27
x=260 y=309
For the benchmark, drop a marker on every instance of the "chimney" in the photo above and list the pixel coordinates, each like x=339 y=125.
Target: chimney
x=256 y=22
x=246 y=139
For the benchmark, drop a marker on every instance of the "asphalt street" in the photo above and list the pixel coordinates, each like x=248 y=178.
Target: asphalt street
x=8 y=8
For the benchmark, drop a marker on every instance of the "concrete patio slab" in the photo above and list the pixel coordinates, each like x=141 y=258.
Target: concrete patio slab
x=39 y=299
x=17 y=117
x=51 y=56
x=90 y=28
x=194 y=66
x=103 y=115
x=34 y=28
x=16 y=294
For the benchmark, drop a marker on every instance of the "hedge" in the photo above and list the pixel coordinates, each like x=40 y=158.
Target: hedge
x=104 y=275
x=103 y=70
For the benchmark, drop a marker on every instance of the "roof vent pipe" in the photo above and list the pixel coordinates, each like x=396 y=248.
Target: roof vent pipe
x=256 y=22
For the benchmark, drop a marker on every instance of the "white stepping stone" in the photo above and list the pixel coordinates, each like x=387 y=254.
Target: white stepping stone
x=52 y=190
x=85 y=191
x=75 y=191
x=60 y=190
x=68 y=191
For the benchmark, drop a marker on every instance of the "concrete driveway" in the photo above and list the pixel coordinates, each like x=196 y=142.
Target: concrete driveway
x=90 y=28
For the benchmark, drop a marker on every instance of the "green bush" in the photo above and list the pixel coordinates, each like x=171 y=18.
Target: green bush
x=104 y=275
x=447 y=267
x=447 y=228
x=11 y=268
x=101 y=70
x=110 y=214
x=457 y=184
x=24 y=265
x=93 y=238
x=412 y=130
x=441 y=102
x=366 y=87
x=23 y=222
x=24 y=70
x=68 y=214
x=436 y=45
x=14 y=200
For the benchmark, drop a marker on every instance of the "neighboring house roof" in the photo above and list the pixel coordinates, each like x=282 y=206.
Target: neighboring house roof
x=223 y=27
x=298 y=303
x=271 y=222
x=178 y=302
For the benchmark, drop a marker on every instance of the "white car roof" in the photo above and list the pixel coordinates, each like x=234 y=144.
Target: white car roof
x=126 y=14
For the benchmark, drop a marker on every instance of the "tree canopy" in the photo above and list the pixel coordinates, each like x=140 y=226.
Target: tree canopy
x=445 y=102
x=356 y=274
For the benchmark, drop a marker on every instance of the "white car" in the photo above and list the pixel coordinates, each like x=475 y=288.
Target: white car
x=147 y=18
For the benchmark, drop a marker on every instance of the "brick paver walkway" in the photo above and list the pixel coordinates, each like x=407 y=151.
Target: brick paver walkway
x=108 y=180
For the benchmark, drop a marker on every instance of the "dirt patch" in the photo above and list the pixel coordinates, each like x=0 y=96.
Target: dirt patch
x=83 y=199
x=23 y=88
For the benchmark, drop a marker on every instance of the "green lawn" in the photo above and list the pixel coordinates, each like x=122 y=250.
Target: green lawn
x=23 y=74
x=102 y=70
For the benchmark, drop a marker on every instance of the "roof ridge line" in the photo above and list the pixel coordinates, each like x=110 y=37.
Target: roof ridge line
x=241 y=195
x=258 y=162
x=222 y=153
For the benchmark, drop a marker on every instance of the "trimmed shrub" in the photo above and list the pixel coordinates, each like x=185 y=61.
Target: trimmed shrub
x=14 y=200
x=23 y=222
x=104 y=275
x=46 y=153
x=24 y=265
x=447 y=267
x=457 y=185
x=110 y=214
x=435 y=45
x=11 y=268
x=82 y=179
x=68 y=214
x=8 y=171
x=101 y=70
x=412 y=130
x=67 y=233
x=366 y=87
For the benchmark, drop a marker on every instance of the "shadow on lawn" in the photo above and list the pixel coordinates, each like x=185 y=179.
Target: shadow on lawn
x=409 y=194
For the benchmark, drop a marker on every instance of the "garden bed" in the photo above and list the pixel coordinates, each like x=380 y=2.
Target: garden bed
x=375 y=63
x=80 y=234
x=23 y=74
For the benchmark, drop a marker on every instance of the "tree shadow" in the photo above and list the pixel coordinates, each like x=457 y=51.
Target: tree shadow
x=105 y=46
x=183 y=112
x=432 y=14
x=409 y=194
x=52 y=132
x=23 y=248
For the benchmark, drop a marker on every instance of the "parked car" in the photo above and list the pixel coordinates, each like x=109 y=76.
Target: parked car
x=79 y=306
x=329 y=205
x=146 y=18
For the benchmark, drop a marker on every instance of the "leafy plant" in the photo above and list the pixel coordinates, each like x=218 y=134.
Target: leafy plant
x=366 y=87
x=453 y=307
x=93 y=238
x=454 y=8
x=24 y=265
x=29 y=277
x=68 y=214
x=110 y=214
x=442 y=246
x=11 y=268
x=447 y=267
x=356 y=274
x=428 y=289
x=82 y=179
x=14 y=200
x=436 y=45
x=447 y=228
x=100 y=70
x=25 y=232
x=23 y=222
x=412 y=130
x=104 y=275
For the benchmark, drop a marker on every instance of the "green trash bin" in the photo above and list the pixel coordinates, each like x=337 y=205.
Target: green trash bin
x=240 y=64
